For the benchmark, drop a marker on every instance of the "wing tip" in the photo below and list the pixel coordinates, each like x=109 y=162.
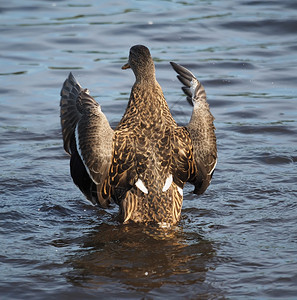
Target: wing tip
x=183 y=71
x=173 y=64
x=72 y=79
x=71 y=76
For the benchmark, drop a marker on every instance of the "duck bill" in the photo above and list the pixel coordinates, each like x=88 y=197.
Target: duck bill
x=126 y=66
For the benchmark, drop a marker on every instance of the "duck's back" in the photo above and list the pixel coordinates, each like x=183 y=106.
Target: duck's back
x=147 y=157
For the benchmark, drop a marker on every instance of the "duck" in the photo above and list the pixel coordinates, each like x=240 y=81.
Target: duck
x=143 y=164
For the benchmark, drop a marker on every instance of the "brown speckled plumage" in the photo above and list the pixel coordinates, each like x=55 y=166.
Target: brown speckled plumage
x=144 y=163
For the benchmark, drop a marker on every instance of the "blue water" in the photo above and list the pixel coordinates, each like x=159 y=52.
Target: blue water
x=238 y=240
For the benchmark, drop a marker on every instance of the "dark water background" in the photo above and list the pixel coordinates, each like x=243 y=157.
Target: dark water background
x=239 y=240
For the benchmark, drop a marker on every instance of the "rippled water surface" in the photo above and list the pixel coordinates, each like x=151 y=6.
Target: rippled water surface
x=236 y=241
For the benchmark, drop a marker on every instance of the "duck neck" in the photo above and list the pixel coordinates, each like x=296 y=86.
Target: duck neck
x=146 y=78
x=146 y=94
x=148 y=100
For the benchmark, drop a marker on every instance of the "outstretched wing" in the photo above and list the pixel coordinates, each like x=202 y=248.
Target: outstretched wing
x=87 y=137
x=68 y=110
x=201 y=129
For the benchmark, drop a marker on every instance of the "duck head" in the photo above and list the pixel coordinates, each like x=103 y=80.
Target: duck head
x=141 y=63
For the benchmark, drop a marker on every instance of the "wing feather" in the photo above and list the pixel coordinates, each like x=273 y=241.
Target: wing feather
x=122 y=174
x=68 y=110
x=87 y=137
x=183 y=162
x=201 y=129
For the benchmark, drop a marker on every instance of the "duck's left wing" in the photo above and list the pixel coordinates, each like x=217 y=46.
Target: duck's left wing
x=201 y=129
x=87 y=137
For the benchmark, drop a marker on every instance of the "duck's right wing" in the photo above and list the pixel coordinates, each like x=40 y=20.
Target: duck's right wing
x=87 y=137
x=201 y=129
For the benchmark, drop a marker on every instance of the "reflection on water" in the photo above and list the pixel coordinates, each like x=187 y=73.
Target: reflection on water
x=144 y=259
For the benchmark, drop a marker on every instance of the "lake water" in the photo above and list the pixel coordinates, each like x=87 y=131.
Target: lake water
x=239 y=239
